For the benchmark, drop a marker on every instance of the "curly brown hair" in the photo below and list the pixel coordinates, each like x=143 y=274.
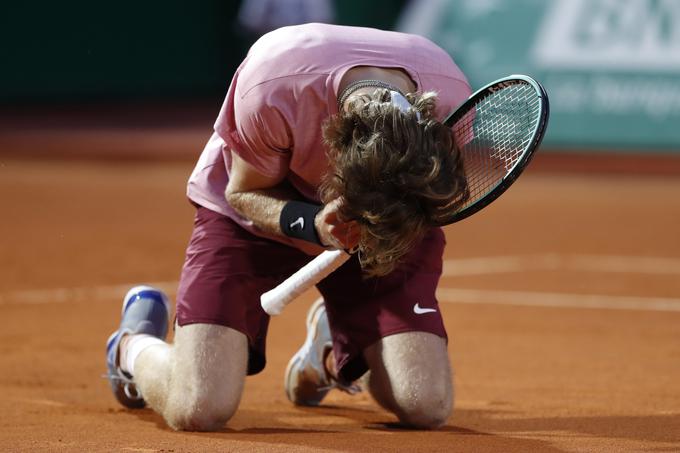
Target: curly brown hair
x=397 y=175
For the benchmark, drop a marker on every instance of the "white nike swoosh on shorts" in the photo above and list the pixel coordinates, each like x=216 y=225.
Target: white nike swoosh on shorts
x=419 y=311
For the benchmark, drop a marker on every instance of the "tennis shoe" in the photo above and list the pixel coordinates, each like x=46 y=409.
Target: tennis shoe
x=307 y=381
x=145 y=310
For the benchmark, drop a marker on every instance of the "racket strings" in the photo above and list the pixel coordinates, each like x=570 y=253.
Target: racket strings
x=494 y=135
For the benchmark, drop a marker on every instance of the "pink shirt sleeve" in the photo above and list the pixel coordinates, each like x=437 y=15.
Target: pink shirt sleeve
x=253 y=127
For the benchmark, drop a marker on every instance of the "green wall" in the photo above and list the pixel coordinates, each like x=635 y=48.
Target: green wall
x=81 y=50
x=611 y=67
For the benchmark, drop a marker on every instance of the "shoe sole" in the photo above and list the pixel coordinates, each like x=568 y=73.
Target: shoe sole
x=312 y=319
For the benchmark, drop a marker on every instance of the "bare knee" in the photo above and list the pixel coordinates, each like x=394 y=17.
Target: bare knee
x=207 y=377
x=200 y=414
x=203 y=405
x=424 y=411
x=411 y=376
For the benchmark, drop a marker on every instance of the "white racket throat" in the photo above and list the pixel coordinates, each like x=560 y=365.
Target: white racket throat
x=275 y=300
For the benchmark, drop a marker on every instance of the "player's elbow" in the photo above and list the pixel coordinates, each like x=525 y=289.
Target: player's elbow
x=235 y=199
x=229 y=196
x=231 y=193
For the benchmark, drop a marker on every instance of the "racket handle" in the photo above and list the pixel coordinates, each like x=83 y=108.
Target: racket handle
x=275 y=300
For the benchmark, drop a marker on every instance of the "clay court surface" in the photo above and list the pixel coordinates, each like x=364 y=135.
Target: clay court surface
x=562 y=302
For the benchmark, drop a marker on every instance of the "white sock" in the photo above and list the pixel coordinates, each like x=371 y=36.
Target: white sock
x=135 y=344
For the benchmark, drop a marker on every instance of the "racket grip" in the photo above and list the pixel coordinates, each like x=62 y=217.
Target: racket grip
x=274 y=301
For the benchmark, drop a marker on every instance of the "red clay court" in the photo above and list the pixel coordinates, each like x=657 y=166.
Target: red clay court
x=562 y=302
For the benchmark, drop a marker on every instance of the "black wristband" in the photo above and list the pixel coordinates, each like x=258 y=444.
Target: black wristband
x=297 y=221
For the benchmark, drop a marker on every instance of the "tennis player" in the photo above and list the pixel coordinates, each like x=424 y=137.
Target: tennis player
x=329 y=137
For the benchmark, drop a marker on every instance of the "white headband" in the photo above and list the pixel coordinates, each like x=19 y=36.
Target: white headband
x=402 y=103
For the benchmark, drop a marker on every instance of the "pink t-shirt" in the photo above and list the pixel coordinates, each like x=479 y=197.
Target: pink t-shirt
x=288 y=85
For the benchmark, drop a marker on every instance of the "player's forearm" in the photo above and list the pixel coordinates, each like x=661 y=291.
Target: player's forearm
x=262 y=207
x=265 y=208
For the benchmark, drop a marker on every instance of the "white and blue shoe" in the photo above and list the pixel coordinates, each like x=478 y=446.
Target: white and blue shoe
x=145 y=310
x=307 y=381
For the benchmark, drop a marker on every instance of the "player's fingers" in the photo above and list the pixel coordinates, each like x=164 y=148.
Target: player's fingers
x=351 y=241
x=346 y=234
x=352 y=235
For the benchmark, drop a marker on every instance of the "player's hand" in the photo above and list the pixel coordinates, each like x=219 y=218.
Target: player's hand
x=334 y=231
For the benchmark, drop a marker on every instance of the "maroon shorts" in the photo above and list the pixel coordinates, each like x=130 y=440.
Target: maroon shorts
x=227 y=269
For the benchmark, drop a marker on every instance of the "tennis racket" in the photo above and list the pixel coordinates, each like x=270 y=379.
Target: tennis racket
x=497 y=129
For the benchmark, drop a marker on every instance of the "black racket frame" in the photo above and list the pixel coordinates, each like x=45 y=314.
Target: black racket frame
x=534 y=143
